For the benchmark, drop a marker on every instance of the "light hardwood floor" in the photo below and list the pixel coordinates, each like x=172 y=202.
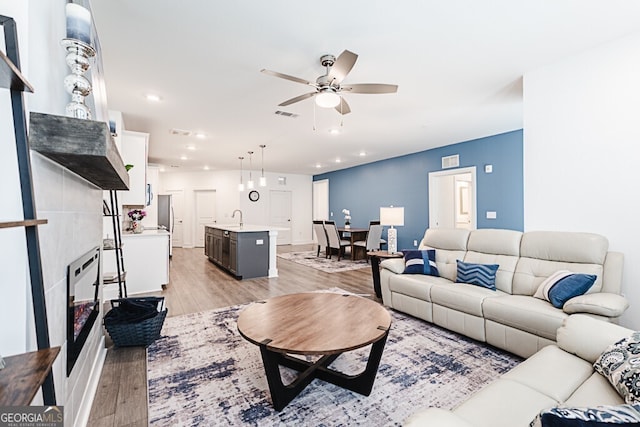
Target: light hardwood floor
x=198 y=285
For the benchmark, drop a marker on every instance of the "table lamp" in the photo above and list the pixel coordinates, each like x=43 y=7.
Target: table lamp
x=392 y=216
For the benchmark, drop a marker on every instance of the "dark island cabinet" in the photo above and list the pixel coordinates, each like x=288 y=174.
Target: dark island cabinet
x=244 y=254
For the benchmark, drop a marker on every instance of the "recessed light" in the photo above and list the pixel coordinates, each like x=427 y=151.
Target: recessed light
x=200 y=135
x=334 y=131
x=183 y=157
x=318 y=165
x=153 y=97
x=338 y=160
x=191 y=147
x=162 y=169
x=362 y=154
x=206 y=168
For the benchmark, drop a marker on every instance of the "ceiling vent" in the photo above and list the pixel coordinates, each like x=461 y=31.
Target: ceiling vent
x=451 y=161
x=180 y=132
x=286 y=114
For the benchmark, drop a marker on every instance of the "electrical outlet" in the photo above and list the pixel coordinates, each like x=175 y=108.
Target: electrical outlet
x=415 y=243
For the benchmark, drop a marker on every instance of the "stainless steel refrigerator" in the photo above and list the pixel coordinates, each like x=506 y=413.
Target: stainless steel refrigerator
x=165 y=216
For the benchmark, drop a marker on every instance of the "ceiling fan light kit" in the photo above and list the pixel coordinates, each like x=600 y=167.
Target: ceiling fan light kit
x=328 y=86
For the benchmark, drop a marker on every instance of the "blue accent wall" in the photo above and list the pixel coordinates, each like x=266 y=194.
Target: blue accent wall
x=403 y=181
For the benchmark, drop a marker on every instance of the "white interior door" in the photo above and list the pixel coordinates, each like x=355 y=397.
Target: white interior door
x=452 y=199
x=321 y=200
x=177 y=236
x=205 y=213
x=280 y=214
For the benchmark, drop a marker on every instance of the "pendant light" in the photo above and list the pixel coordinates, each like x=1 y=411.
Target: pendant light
x=241 y=185
x=263 y=180
x=250 y=182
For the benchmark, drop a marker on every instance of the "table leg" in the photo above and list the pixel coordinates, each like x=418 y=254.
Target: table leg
x=375 y=272
x=282 y=394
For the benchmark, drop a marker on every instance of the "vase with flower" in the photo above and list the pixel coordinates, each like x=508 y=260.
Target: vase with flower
x=347 y=218
x=136 y=216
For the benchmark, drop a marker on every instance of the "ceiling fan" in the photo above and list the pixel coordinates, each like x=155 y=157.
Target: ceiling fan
x=328 y=87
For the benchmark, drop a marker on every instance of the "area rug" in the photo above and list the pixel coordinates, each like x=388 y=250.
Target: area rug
x=201 y=372
x=327 y=265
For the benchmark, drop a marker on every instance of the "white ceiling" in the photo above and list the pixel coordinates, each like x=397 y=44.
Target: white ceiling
x=458 y=65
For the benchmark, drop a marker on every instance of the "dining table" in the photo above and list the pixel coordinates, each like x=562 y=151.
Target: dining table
x=354 y=235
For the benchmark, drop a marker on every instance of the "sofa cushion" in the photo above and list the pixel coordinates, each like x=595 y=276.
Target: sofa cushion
x=450 y=245
x=503 y=403
x=596 y=390
x=587 y=337
x=415 y=285
x=597 y=416
x=542 y=253
x=563 y=285
x=483 y=275
x=420 y=262
x=552 y=372
x=525 y=313
x=462 y=297
x=620 y=364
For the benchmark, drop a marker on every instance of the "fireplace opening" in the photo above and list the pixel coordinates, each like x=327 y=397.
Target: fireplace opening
x=83 y=280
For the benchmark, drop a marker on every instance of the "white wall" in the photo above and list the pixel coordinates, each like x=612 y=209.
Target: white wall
x=228 y=198
x=70 y=204
x=581 y=138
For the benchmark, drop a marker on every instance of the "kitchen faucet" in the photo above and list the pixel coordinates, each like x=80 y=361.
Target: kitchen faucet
x=233 y=215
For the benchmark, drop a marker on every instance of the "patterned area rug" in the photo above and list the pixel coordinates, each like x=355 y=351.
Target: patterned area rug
x=327 y=265
x=202 y=372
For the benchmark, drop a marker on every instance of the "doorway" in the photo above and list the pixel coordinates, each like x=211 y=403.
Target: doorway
x=321 y=200
x=280 y=214
x=205 y=213
x=452 y=199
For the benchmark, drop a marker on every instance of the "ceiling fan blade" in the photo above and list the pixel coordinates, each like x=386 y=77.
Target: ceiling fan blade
x=343 y=107
x=344 y=63
x=287 y=77
x=370 y=88
x=297 y=99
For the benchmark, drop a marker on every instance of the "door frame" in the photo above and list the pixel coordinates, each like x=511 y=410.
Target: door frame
x=433 y=191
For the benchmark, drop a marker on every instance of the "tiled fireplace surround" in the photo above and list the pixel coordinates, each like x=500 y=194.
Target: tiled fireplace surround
x=73 y=208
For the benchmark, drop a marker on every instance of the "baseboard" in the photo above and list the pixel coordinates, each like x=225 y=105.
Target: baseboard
x=84 y=410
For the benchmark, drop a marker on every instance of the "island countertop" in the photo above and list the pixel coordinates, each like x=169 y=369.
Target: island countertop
x=246 y=228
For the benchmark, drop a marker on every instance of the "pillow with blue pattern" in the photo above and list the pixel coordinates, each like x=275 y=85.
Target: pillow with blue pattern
x=598 y=416
x=420 y=262
x=563 y=285
x=620 y=364
x=483 y=275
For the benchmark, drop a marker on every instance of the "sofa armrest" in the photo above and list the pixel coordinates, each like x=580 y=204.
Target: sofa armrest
x=395 y=265
x=433 y=417
x=602 y=304
x=587 y=338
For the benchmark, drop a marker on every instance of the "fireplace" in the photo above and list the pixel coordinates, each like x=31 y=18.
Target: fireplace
x=83 y=280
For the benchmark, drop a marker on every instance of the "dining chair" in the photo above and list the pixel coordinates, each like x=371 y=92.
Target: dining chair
x=321 y=236
x=372 y=243
x=382 y=241
x=334 y=240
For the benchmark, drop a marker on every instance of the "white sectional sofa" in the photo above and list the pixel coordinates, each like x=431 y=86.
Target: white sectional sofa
x=508 y=317
x=557 y=375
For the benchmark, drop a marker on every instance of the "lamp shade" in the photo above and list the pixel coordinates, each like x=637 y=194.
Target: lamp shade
x=391 y=216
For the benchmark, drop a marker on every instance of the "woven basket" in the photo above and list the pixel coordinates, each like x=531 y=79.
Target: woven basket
x=136 y=334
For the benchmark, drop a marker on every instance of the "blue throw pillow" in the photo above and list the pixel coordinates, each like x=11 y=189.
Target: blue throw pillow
x=477 y=274
x=420 y=262
x=599 y=416
x=563 y=285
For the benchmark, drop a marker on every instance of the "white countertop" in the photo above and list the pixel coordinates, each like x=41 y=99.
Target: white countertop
x=147 y=233
x=246 y=228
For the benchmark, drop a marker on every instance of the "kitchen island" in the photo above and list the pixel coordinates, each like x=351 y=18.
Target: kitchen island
x=246 y=251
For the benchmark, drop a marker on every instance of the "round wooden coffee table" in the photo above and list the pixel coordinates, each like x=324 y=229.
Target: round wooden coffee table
x=325 y=324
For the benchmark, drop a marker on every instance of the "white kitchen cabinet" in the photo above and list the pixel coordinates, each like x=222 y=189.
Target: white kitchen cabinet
x=134 y=152
x=146 y=262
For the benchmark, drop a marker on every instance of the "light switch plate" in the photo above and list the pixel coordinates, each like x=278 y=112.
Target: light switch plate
x=488 y=168
x=491 y=215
